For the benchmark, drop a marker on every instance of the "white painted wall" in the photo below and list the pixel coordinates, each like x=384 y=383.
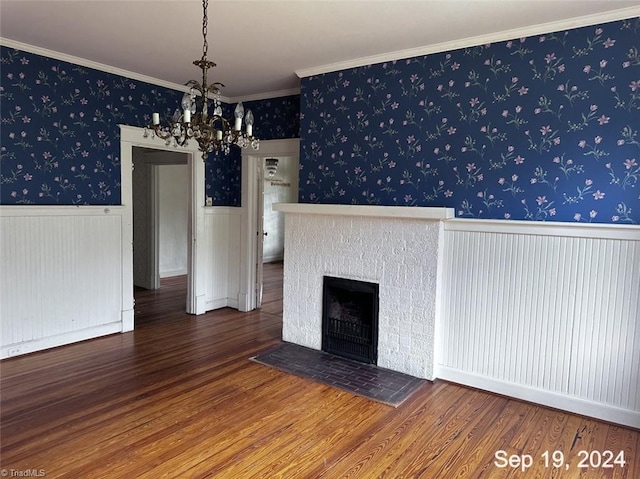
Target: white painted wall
x=173 y=214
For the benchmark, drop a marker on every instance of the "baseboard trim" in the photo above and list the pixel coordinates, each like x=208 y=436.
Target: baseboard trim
x=606 y=412
x=201 y=304
x=173 y=272
x=243 y=302
x=27 y=347
x=128 y=320
x=273 y=259
x=216 y=304
x=222 y=303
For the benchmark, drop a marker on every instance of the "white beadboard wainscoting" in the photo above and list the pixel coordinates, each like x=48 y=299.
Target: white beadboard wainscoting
x=61 y=278
x=64 y=275
x=223 y=237
x=545 y=312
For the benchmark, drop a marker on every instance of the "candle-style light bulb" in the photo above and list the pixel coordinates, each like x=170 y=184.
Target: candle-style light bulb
x=187 y=105
x=238 y=113
x=248 y=119
x=186 y=102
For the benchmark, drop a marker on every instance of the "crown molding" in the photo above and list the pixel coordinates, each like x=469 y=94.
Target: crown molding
x=90 y=64
x=614 y=15
x=265 y=96
x=7 y=42
x=543 y=28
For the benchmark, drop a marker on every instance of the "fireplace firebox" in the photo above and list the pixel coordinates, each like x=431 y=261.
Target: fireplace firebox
x=350 y=319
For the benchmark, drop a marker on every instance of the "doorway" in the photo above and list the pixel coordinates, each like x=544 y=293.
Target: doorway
x=160 y=216
x=280 y=185
x=255 y=182
x=279 y=174
x=130 y=138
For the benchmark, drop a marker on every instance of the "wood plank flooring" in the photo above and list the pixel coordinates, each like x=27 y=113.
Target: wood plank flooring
x=178 y=397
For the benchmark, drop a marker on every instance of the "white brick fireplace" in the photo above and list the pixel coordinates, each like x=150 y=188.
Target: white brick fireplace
x=397 y=247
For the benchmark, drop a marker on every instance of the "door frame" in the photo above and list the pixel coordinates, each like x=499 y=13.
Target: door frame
x=131 y=136
x=251 y=187
x=259 y=225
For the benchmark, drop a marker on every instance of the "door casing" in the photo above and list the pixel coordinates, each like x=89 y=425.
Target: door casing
x=196 y=287
x=252 y=186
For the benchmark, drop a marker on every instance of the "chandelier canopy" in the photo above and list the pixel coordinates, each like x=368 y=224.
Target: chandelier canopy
x=202 y=119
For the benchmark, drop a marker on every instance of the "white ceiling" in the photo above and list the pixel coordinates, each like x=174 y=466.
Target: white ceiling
x=259 y=45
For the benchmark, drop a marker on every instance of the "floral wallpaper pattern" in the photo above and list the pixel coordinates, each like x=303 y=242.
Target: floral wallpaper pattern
x=538 y=128
x=60 y=141
x=275 y=119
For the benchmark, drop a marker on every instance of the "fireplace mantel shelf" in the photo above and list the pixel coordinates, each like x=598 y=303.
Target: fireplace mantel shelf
x=414 y=212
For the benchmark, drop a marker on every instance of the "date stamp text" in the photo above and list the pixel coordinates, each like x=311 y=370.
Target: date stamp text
x=557 y=460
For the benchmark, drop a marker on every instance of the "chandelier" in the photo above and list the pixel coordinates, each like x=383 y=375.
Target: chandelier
x=271 y=167
x=202 y=120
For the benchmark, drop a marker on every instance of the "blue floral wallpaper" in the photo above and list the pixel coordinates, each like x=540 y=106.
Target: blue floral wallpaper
x=275 y=119
x=538 y=128
x=60 y=141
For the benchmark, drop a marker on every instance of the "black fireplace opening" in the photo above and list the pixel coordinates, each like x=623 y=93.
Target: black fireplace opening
x=350 y=319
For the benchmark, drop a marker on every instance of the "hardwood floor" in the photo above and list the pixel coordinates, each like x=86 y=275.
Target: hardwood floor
x=178 y=397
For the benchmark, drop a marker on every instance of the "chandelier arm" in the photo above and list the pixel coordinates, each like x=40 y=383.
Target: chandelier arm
x=214 y=88
x=211 y=132
x=194 y=84
x=198 y=87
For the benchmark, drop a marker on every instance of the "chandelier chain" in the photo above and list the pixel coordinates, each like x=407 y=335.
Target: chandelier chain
x=205 y=45
x=213 y=132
